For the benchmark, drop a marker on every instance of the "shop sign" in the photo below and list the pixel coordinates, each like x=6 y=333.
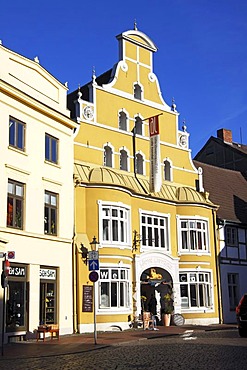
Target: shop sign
x=49 y=274
x=19 y=271
x=87 y=303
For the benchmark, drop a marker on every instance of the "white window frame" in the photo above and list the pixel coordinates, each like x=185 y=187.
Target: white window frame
x=138 y=155
x=107 y=235
x=114 y=277
x=123 y=149
x=194 y=235
x=139 y=90
x=199 y=290
x=139 y=118
x=123 y=111
x=153 y=238
x=106 y=155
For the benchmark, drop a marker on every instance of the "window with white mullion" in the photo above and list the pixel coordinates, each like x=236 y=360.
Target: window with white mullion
x=154 y=231
x=115 y=224
x=195 y=289
x=194 y=235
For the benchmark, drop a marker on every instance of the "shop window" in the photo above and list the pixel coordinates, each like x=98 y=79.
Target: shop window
x=16 y=134
x=194 y=235
x=48 y=303
x=195 y=290
x=154 y=231
x=115 y=221
x=17 y=297
x=51 y=149
x=50 y=220
x=114 y=288
x=15 y=204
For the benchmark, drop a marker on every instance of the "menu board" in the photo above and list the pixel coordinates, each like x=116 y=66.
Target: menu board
x=87 y=302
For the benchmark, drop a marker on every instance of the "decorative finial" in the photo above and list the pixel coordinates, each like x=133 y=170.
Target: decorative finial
x=173 y=105
x=36 y=59
x=135 y=25
x=1 y=42
x=93 y=74
x=79 y=94
x=66 y=84
x=184 y=127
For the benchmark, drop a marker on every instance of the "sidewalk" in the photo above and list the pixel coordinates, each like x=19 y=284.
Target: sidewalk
x=76 y=343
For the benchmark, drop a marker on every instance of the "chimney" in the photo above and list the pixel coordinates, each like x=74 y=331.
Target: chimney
x=225 y=135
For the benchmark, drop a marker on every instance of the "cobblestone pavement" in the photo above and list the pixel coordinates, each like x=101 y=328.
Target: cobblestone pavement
x=178 y=348
x=198 y=350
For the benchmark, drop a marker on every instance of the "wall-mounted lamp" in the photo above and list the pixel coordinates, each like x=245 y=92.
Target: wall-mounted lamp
x=84 y=250
x=94 y=244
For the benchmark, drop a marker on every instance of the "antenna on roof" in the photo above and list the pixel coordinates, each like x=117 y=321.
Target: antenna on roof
x=135 y=25
x=241 y=142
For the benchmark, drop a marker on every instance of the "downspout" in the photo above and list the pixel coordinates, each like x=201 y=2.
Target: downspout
x=217 y=269
x=74 y=266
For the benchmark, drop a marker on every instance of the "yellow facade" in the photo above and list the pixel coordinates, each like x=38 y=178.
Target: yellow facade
x=149 y=243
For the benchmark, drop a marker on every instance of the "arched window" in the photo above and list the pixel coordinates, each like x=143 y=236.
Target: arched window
x=122 y=121
x=137 y=92
x=167 y=170
x=123 y=160
x=139 y=164
x=138 y=125
x=108 y=153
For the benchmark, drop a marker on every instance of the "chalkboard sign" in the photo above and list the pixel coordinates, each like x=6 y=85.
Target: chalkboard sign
x=87 y=303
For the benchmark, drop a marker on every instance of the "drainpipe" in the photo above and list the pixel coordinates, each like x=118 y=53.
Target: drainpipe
x=74 y=266
x=217 y=269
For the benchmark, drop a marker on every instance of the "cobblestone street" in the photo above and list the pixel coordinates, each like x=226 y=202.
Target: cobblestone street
x=220 y=349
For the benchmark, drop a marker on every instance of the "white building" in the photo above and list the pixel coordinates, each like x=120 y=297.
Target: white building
x=36 y=195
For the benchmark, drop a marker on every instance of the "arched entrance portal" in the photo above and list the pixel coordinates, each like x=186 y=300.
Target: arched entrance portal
x=155 y=282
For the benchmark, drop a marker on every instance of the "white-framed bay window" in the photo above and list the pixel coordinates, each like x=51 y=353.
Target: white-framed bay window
x=114 y=288
x=196 y=290
x=193 y=235
x=114 y=223
x=155 y=230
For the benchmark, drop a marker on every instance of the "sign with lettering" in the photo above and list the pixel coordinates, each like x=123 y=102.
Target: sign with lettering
x=87 y=302
x=49 y=274
x=19 y=271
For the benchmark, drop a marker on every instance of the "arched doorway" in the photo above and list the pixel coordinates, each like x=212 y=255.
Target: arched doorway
x=155 y=283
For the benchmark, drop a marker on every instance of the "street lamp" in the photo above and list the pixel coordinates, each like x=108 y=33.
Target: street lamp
x=94 y=249
x=94 y=244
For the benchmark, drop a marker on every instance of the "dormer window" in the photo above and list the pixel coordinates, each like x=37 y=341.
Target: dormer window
x=137 y=92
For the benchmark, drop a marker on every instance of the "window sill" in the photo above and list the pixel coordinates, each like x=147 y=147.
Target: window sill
x=52 y=164
x=17 y=150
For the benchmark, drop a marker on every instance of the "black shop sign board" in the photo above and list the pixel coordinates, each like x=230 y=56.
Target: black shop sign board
x=87 y=302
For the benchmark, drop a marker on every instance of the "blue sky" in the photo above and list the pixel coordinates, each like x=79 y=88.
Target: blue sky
x=201 y=59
